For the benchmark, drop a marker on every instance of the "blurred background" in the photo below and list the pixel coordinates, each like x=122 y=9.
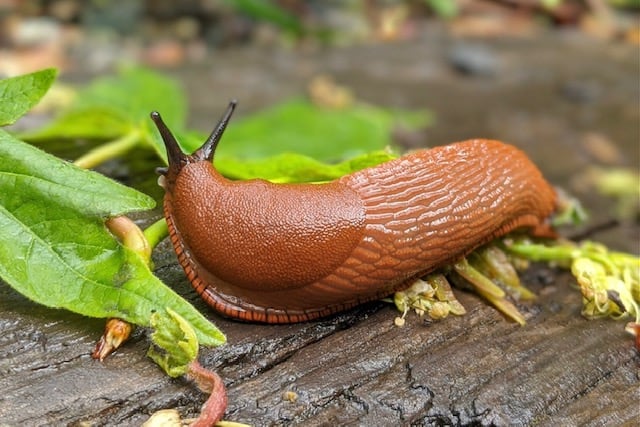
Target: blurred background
x=93 y=36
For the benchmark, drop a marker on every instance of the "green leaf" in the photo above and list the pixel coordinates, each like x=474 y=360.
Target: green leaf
x=20 y=94
x=136 y=92
x=95 y=123
x=113 y=106
x=55 y=249
x=298 y=141
x=176 y=343
x=444 y=8
x=291 y=167
x=26 y=170
x=72 y=262
x=327 y=135
x=266 y=10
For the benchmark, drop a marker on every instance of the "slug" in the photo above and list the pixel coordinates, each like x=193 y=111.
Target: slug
x=283 y=253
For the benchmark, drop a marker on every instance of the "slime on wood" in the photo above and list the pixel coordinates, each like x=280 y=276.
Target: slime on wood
x=283 y=253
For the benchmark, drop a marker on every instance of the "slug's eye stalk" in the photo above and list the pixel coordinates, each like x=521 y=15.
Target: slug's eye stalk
x=175 y=156
x=177 y=159
x=208 y=149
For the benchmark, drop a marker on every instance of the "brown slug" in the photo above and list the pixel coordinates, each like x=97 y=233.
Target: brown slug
x=283 y=253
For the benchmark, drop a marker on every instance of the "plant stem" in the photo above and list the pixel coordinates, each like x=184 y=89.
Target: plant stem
x=156 y=232
x=108 y=150
x=479 y=280
x=130 y=236
x=538 y=252
x=209 y=382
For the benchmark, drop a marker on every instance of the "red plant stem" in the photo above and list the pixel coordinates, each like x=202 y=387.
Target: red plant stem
x=209 y=382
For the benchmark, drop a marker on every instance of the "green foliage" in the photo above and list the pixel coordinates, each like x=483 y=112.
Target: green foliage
x=431 y=295
x=609 y=280
x=54 y=247
x=95 y=123
x=292 y=167
x=266 y=10
x=116 y=107
x=21 y=93
x=32 y=175
x=324 y=134
x=444 y=8
x=570 y=210
x=175 y=342
x=297 y=141
x=551 y=4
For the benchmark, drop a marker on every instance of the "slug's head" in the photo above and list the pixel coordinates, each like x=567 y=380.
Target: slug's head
x=176 y=157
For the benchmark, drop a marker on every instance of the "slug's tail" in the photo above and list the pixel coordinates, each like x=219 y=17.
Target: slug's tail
x=544 y=230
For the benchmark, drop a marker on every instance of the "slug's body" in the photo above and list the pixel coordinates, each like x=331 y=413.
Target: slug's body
x=282 y=253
